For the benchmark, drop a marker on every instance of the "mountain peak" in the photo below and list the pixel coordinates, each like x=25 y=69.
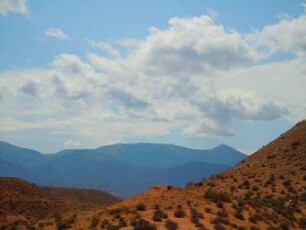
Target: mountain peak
x=224 y=147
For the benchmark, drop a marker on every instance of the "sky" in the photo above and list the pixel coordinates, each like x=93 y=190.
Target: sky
x=196 y=73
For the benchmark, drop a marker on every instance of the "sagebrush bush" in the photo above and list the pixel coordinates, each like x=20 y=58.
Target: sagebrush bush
x=216 y=196
x=142 y=224
x=171 y=225
x=179 y=213
x=140 y=207
x=159 y=215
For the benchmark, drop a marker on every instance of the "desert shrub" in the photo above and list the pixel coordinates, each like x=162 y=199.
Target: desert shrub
x=179 y=213
x=133 y=222
x=303 y=196
x=248 y=195
x=242 y=228
x=72 y=219
x=171 y=225
x=222 y=213
x=12 y=227
x=255 y=217
x=221 y=220
x=200 y=226
x=239 y=215
x=104 y=223
x=255 y=188
x=272 y=156
x=254 y=228
x=220 y=204
x=246 y=184
x=122 y=224
x=140 y=207
x=94 y=222
x=112 y=227
x=114 y=211
x=302 y=223
x=159 y=215
x=272 y=228
x=142 y=224
x=291 y=189
x=194 y=216
x=57 y=217
x=287 y=183
x=216 y=196
x=61 y=226
x=32 y=227
x=284 y=226
x=208 y=210
x=219 y=227
x=281 y=177
x=295 y=144
x=117 y=216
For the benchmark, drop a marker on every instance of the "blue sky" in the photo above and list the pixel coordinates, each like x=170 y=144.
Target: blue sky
x=80 y=74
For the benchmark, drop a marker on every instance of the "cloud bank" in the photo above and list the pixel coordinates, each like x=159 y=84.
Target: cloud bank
x=195 y=76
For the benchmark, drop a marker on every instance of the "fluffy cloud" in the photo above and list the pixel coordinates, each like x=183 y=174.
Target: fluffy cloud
x=111 y=51
x=30 y=88
x=193 y=46
x=289 y=35
x=126 y=99
x=72 y=65
x=13 y=6
x=194 y=76
x=57 y=34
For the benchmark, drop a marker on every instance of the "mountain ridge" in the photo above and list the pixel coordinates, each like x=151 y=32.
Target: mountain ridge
x=133 y=167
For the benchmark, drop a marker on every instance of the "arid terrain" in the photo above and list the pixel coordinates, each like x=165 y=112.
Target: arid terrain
x=23 y=202
x=265 y=191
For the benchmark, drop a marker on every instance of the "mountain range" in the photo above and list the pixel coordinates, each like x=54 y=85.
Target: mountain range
x=121 y=169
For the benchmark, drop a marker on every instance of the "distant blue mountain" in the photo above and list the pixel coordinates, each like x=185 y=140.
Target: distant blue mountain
x=122 y=169
x=160 y=155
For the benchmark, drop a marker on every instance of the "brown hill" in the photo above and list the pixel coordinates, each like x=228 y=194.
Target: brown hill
x=20 y=199
x=266 y=191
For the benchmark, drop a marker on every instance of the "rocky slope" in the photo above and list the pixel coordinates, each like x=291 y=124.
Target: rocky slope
x=22 y=200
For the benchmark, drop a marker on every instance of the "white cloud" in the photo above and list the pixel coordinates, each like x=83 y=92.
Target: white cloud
x=129 y=42
x=57 y=34
x=289 y=35
x=194 y=76
x=109 y=49
x=30 y=88
x=14 y=6
x=72 y=143
x=208 y=127
x=193 y=46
